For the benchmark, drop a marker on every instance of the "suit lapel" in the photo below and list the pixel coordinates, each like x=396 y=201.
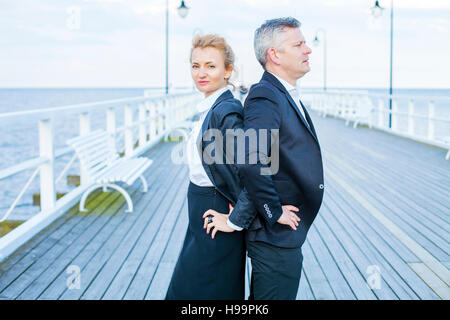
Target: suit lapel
x=269 y=77
x=309 y=119
x=224 y=96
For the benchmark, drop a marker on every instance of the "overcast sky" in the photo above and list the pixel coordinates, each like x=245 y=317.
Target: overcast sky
x=115 y=43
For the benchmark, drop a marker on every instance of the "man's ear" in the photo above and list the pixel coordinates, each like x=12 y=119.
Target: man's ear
x=272 y=55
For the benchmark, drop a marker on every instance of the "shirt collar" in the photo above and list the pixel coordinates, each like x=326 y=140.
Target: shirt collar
x=289 y=87
x=207 y=103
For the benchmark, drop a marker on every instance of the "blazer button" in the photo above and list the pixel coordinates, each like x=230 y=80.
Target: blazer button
x=321 y=186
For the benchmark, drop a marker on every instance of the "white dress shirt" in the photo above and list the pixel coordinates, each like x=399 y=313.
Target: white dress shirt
x=197 y=173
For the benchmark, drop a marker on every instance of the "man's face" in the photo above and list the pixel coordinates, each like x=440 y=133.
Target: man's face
x=293 y=53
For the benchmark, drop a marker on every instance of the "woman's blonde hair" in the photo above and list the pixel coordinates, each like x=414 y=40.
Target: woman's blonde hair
x=214 y=41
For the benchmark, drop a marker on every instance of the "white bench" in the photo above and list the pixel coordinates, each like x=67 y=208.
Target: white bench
x=184 y=127
x=447 y=142
x=360 y=114
x=102 y=165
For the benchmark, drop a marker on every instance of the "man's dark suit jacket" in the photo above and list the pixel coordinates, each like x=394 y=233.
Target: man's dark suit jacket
x=299 y=180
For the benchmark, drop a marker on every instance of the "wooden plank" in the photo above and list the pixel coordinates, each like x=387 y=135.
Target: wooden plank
x=163 y=275
x=44 y=246
x=416 y=224
x=147 y=270
x=370 y=226
x=121 y=258
x=409 y=242
x=385 y=251
x=248 y=276
x=392 y=170
x=408 y=168
x=304 y=289
x=32 y=245
x=346 y=281
x=59 y=239
x=433 y=281
x=27 y=277
x=317 y=280
x=85 y=240
x=55 y=289
x=330 y=264
x=420 y=155
x=25 y=256
x=388 y=175
x=114 y=252
x=139 y=286
x=384 y=143
x=373 y=140
x=362 y=250
x=156 y=236
x=413 y=224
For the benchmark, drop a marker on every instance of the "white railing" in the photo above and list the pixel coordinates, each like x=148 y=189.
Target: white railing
x=373 y=110
x=146 y=120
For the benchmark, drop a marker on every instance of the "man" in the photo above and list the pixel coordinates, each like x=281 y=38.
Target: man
x=288 y=200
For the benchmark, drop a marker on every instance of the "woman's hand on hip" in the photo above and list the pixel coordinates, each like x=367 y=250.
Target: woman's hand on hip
x=218 y=223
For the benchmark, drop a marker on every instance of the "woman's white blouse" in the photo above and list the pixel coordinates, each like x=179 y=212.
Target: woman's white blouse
x=197 y=174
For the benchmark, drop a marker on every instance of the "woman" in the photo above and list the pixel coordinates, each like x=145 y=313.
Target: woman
x=210 y=268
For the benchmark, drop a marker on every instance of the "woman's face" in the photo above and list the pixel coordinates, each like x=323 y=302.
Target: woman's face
x=208 y=70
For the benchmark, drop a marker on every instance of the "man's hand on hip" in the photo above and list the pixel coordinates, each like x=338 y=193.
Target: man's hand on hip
x=288 y=217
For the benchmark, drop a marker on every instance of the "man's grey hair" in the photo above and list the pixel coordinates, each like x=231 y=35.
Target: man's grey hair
x=268 y=36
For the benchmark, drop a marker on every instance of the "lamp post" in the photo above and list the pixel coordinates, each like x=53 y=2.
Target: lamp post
x=316 y=42
x=182 y=12
x=377 y=11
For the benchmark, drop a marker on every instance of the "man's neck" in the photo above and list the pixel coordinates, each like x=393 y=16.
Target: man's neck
x=281 y=74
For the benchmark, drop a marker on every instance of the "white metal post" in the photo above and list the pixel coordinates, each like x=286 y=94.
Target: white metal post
x=85 y=128
x=47 y=178
x=380 y=113
x=394 y=115
x=142 y=125
x=411 y=117
x=170 y=103
x=111 y=120
x=152 y=108
x=85 y=123
x=431 y=120
x=128 y=130
x=161 y=105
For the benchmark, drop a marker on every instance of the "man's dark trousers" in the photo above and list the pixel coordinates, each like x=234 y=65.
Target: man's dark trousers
x=275 y=271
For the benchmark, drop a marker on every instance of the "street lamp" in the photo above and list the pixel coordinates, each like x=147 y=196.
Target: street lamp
x=316 y=43
x=377 y=11
x=182 y=12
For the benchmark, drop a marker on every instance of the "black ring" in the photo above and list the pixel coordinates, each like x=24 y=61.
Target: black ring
x=210 y=219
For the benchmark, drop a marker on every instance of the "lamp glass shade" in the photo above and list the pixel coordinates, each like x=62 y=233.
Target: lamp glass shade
x=376 y=10
x=183 y=10
x=316 y=41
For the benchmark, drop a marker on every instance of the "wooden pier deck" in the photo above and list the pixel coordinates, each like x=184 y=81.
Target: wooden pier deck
x=382 y=231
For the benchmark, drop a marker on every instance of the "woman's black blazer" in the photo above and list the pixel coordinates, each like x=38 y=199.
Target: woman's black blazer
x=225 y=113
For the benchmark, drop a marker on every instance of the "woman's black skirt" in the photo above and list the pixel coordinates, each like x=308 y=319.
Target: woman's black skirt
x=208 y=268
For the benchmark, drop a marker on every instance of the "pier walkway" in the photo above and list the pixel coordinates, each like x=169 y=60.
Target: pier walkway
x=382 y=231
